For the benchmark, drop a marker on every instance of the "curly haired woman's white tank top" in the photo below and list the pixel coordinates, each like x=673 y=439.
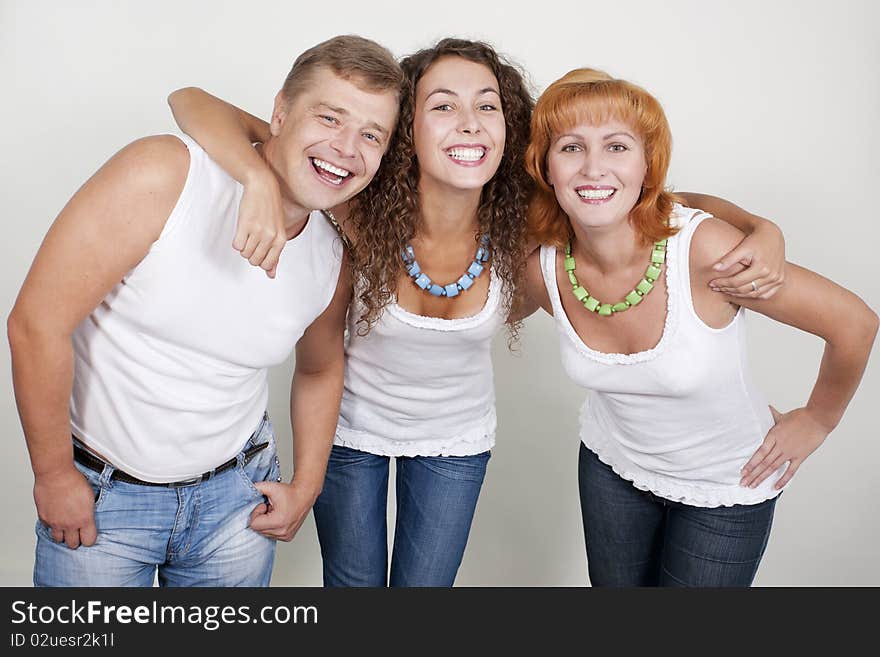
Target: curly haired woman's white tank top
x=682 y=418
x=421 y=386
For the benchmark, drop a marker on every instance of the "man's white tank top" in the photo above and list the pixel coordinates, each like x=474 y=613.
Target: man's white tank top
x=170 y=374
x=682 y=418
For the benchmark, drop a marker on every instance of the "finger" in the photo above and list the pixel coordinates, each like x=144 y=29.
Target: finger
x=793 y=466
x=269 y=488
x=259 y=510
x=56 y=533
x=71 y=538
x=241 y=236
x=742 y=282
x=772 y=467
x=775 y=413
x=256 y=258
x=88 y=534
x=249 y=247
x=272 y=272
x=759 y=467
x=270 y=262
x=269 y=524
x=737 y=255
x=767 y=290
x=760 y=453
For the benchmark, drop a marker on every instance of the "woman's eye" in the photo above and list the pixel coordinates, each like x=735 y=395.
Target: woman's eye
x=329 y=119
x=570 y=148
x=371 y=137
x=488 y=107
x=617 y=148
x=445 y=107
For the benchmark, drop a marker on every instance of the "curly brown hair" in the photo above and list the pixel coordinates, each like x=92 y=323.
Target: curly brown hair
x=385 y=216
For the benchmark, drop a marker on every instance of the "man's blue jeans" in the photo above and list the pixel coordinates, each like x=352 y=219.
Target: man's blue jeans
x=436 y=500
x=195 y=536
x=635 y=538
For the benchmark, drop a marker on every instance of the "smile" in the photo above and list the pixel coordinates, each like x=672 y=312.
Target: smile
x=467 y=155
x=329 y=172
x=595 y=194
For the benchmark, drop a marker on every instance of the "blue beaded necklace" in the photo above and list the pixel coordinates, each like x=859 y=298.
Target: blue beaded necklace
x=424 y=281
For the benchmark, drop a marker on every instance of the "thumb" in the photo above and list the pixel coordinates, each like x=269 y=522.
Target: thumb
x=269 y=489
x=776 y=414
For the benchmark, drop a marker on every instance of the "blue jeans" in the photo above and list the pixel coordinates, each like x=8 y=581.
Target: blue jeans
x=635 y=538
x=194 y=536
x=436 y=500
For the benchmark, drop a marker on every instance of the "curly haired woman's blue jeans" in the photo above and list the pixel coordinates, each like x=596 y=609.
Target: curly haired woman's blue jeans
x=436 y=500
x=635 y=538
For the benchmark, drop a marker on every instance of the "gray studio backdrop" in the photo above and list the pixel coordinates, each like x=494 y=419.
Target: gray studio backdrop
x=773 y=104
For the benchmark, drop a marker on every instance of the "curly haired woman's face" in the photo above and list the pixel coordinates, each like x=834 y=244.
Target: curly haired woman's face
x=458 y=128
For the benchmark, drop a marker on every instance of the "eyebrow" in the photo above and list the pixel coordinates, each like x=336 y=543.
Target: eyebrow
x=344 y=112
x=608 y=136
x=484 y=90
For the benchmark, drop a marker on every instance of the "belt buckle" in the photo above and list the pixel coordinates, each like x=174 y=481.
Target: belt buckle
x=186 y=482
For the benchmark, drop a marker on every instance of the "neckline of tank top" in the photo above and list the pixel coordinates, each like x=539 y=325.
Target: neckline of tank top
x=669 y=324
x=456 y=323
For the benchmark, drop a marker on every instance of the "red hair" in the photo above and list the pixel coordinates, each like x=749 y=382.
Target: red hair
x=589 y=96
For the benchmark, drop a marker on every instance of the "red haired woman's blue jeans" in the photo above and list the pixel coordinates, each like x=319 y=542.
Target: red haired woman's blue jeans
x=635 y=538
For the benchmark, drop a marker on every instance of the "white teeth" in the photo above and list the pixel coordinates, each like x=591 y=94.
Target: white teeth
x=595 y=193
x=466 y=154
x=326 y=166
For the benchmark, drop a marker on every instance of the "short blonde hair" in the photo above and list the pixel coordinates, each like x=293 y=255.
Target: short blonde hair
x=361 y=61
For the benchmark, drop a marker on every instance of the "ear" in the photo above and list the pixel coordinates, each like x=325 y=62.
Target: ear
x=279 y=113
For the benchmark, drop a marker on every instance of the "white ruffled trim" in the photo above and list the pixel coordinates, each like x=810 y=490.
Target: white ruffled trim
x=473 y=442
x=490 y=308
x=693 y=494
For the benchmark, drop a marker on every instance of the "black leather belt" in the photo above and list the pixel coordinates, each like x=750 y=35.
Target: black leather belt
x=92 y=462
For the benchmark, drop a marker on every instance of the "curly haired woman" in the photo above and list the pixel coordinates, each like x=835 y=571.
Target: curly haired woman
x=439 y=252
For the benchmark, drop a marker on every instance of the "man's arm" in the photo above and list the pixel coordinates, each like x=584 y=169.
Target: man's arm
x=315 y=395
x=102 y=232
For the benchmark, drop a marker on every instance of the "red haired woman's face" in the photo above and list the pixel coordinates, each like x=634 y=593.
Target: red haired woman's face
x=458 y=127
x=597 y=172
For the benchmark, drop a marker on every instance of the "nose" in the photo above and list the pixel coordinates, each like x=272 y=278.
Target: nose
x=344 y=142
x=593 y=164
x=468 y=122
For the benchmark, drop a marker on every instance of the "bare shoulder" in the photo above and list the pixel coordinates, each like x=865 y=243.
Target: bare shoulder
x=712 y=240
x=158 y=161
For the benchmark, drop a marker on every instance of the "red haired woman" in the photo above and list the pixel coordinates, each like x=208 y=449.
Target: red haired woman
x=681 y=461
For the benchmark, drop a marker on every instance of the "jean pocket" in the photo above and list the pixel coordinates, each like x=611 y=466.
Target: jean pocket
x=466 y=468
x=263 y=466
x=99 y=488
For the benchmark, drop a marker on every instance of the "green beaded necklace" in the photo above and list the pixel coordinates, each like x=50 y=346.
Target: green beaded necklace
x=634 y=298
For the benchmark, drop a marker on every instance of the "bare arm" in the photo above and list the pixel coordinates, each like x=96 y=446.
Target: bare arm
x=848 y=327
x=761 y=251
x=101 y=234
x=534 y=293
x=315 y=395
x=227 y=134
